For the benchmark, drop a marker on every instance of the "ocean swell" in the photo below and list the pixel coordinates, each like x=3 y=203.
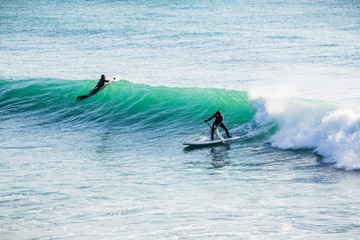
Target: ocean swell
x=286 y=122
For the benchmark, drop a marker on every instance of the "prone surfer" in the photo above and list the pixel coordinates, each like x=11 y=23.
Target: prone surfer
x=219 y=118
x=97 y=88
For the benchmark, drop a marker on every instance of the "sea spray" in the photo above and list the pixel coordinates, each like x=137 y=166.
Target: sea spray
x=329 y=130
x=341 y=142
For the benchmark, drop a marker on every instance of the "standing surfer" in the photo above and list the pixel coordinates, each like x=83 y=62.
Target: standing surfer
x=97 y=88
x=219 y=118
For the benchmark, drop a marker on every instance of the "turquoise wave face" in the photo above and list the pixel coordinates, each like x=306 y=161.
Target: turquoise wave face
x=286 y=123
x=123 y=103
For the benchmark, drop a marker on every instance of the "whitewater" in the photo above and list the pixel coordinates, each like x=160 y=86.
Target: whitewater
x=285 y=74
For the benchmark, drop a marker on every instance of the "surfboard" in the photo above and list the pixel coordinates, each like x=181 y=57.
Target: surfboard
x=210 y=142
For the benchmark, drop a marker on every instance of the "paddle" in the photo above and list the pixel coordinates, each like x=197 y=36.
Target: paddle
x=216 y=132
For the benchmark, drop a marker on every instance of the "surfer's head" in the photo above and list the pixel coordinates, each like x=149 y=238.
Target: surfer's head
x=102 y=76
x=218 y=113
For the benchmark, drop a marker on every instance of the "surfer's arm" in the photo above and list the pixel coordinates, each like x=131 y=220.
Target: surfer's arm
x=112 y=80
x=210 y=118
x=218 y=121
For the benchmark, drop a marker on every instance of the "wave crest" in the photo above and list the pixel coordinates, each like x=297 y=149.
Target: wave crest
x=330 y=131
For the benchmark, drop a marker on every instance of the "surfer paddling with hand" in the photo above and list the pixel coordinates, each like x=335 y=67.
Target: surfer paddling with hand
x=219 y=118
x=97 y=88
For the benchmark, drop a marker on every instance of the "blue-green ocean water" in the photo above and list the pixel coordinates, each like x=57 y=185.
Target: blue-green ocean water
x=285 y=74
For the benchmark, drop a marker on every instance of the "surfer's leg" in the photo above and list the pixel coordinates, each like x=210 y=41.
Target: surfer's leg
x=212 y=132
x=93 y=92
x=79 y=98
x=226 y=130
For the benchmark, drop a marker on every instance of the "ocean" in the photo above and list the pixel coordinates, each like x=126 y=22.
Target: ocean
x=285 y=75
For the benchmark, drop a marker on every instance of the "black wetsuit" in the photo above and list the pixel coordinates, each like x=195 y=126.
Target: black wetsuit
x=100 y=84
x=97 y=88
x=218 y=122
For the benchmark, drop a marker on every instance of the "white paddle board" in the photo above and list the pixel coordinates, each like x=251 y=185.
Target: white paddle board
x=210 y=142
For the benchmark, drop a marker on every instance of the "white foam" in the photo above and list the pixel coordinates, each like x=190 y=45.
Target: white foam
x=333 y=132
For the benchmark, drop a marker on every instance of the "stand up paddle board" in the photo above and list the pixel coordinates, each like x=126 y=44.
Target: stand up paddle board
x=210 y=142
